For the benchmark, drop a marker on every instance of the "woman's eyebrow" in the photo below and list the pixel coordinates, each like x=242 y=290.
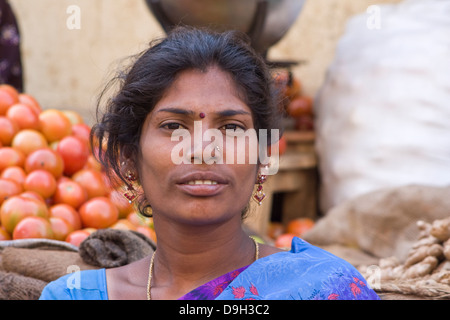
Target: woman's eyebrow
x=177 y=111
x=232 y=112
x=222 y=113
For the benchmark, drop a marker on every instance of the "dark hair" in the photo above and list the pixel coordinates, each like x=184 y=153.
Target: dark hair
x=154 y=70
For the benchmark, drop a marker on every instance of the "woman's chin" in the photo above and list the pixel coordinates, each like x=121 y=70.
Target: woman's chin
x=201 y=212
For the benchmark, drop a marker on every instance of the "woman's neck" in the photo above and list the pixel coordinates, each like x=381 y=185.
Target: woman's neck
x=190 y=255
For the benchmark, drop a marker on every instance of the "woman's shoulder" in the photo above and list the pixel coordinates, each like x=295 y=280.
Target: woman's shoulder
x=318 y=274
x=80 y=285
x=303 y=250
x=305 y=257
x=304 y=272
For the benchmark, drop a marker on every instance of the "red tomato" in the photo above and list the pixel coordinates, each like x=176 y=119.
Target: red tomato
x=299 y=226
x=147 y=231
x=8 y=97
x=42 y=182
x=68 y=213
x=14 y=173
x=82 y=131
x=45 y=159
x=77 y=237
x=304 y=123
x=74 y=152
x=71 y=193
x=284 y=241
x=29 y=140
x=9 y=188
x=54 y=125
x=4 y=235
x=8 y=129
x=300 y=106
x=33 y=227
x=32 y=195
x=93 y=164
x=11 y=157
x=73 y=116
x=16 y=208
x=139 y=220
x=90 y=230
x=24 y=116
x=61 y=228
x=92 y=181
x=123 y=224
x=30 y=101
x=98 y=213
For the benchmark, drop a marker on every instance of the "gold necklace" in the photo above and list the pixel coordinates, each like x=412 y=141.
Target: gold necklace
x=152 y=261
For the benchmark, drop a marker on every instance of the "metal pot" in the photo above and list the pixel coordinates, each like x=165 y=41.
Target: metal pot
x=265 y=21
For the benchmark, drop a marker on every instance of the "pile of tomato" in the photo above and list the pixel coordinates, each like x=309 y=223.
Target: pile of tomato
x=297 y=104
x=51 y=185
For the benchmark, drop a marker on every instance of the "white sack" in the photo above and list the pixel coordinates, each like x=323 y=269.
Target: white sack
x=383 y=112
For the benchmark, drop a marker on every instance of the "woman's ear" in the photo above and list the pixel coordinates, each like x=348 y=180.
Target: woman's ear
x=129 y=174
x=127 y=166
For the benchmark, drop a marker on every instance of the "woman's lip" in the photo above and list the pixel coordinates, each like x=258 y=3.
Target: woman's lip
x=202 y=183
x=202 y=176
x=201 y=190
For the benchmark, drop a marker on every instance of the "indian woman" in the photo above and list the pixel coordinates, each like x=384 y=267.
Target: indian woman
x=215 y=84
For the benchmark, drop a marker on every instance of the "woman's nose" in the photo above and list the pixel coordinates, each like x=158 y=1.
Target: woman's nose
x=207 y=143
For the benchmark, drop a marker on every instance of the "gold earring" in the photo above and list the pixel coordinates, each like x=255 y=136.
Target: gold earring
x=259 y=194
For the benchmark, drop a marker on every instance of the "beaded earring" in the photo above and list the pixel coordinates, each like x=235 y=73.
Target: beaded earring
x=259 y=195
x=130 y=192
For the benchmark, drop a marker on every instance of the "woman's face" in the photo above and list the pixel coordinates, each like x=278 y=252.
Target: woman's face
x=196 y=191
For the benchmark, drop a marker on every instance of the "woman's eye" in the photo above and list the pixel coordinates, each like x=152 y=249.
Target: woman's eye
x=233 y=127
x=172 y=126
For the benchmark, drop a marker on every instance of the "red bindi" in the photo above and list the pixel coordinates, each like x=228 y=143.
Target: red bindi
x=202 y=115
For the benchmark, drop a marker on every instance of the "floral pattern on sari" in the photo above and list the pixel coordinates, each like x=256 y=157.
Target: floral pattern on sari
x=213 y=288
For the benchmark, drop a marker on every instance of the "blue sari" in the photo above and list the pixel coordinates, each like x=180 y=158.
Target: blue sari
x=305 y=272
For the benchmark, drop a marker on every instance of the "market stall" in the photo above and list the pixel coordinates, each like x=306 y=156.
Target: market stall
x=362 y=170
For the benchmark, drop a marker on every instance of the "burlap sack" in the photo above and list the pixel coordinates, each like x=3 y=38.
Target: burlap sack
x=108 y=248
x=43 y=244
x=14 y=286
x=382 y=113
x=382 y=223
x=45 y=265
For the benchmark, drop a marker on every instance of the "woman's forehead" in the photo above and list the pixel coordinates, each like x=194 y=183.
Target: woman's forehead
x=194 y=91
